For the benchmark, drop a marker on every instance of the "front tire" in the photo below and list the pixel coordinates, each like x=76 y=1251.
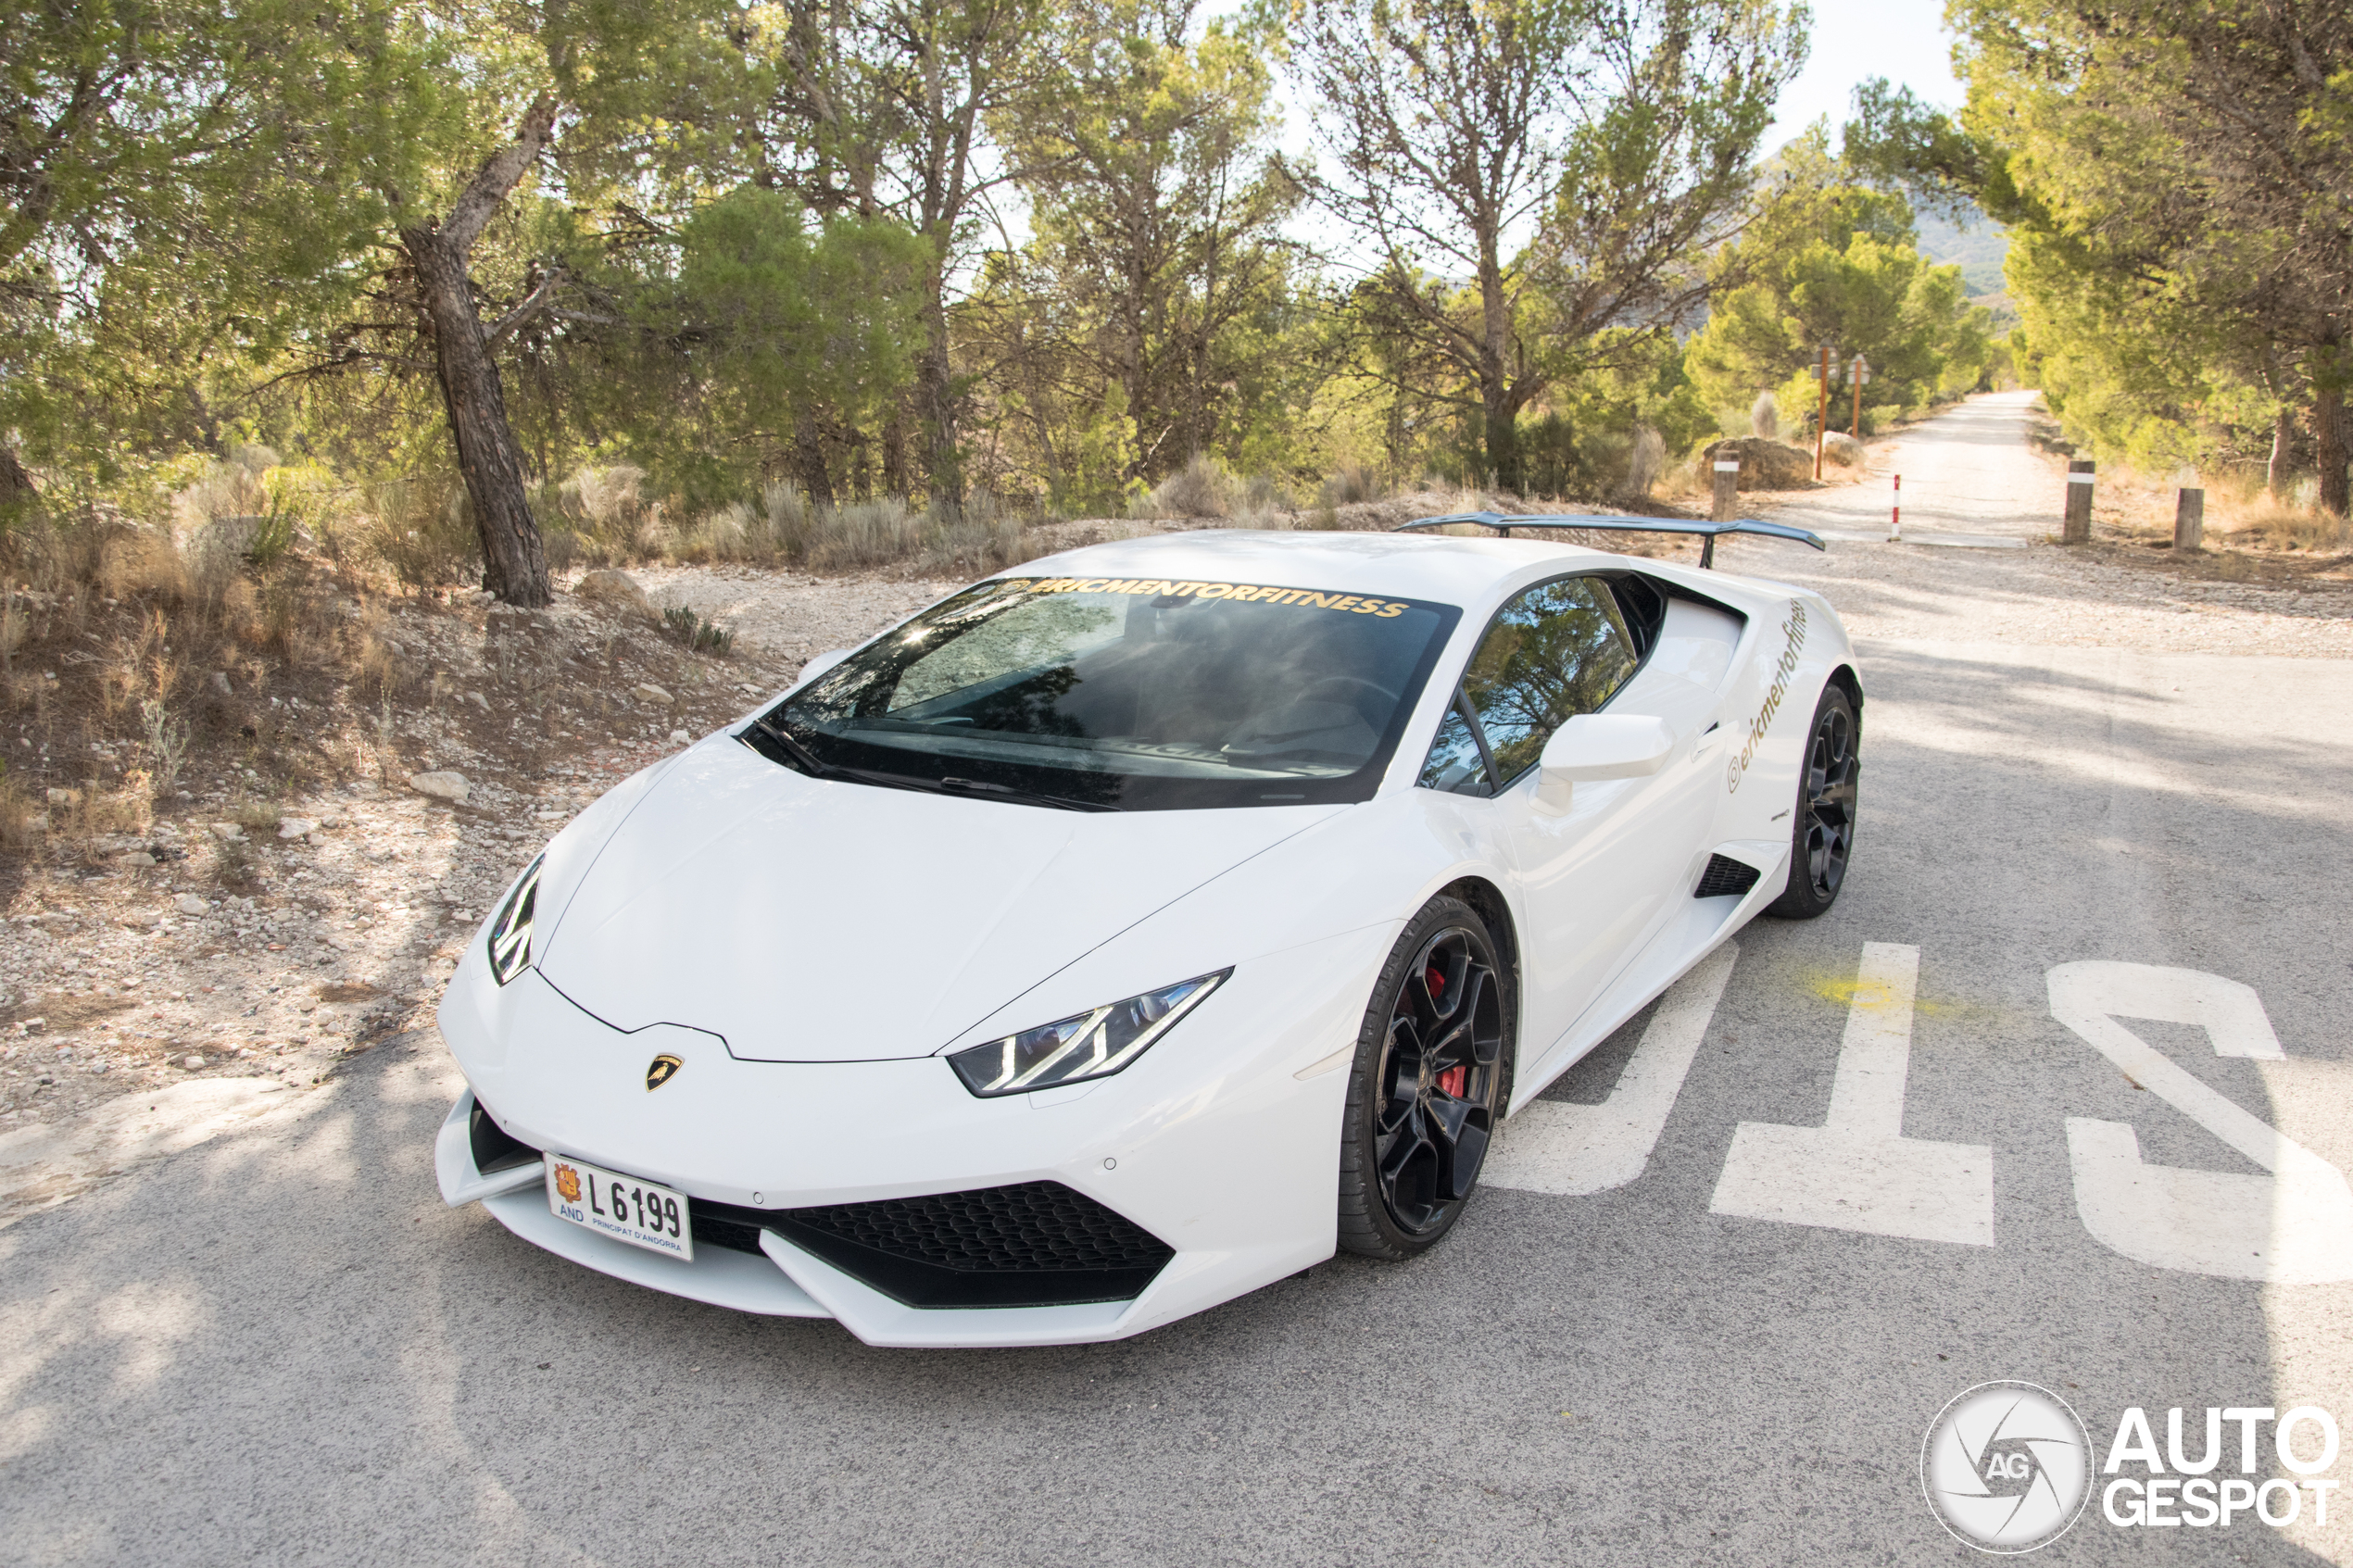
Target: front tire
x=1822 y=838
x=1431 y=1079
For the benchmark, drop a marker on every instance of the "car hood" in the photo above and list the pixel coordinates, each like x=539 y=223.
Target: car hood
x=810 y=919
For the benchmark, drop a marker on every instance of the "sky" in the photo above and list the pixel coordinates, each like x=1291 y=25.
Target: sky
x=1854 y=40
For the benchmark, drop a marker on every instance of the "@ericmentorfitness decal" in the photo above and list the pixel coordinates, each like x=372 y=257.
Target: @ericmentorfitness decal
x=2008 y=1467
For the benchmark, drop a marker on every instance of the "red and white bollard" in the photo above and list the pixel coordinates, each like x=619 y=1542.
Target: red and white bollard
x=1895 y=517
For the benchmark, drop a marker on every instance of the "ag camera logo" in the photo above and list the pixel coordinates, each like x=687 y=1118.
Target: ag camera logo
x=2006 y=1467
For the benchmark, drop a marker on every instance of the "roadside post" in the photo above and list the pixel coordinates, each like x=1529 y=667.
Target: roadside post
x=1861 y=370
x=1822 y=414
x=1896 y=514
x=1728 y=483
x=2189 y=519
x=2077 y=529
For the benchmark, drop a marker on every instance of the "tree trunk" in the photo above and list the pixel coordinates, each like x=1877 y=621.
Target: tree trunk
x=2283 y=439
x=894 y=450
x=489 y=459
x=17 y=488
x=936 y=404
x=1501 y=414
x=2328 y=434
x=514 y=559
x=809 y=457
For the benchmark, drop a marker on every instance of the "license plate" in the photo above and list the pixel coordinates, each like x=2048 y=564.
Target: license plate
x=621 y=1207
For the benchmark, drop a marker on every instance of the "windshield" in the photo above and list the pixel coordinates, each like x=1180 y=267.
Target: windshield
x=1124 y=694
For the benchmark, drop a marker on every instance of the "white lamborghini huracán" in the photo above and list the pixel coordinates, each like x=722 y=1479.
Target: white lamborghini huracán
x=1137 y=926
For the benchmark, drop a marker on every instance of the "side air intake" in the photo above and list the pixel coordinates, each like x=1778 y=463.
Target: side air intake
x=1725 y=876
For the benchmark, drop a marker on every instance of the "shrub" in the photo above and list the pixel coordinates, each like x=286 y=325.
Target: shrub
x=1645 y=461
x=695 y=634
x=424 y=531
x=1350 y=485
x=1199 y=489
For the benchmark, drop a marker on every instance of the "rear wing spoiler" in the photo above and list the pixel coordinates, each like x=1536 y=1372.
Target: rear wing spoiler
x=1707 y=531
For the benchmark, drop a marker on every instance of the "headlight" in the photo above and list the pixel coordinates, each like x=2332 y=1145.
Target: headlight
x=510 y=932
x=1091 y=1045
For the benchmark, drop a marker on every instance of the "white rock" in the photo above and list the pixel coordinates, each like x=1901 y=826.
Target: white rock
x=189 y=904
x=135 y=857
x=617 y=589
x=192 y=1063
x=680 y=737
x=227 y=830
x=296 y=827
x=652 y=692
x=444 y=786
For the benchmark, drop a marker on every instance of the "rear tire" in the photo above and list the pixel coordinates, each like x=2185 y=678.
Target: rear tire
x=1431 y=1080
x=1822 y=838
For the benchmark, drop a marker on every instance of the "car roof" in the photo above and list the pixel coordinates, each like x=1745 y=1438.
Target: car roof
x=1424 y=566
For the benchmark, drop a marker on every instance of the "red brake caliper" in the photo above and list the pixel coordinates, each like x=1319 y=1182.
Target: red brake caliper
x=1453 y=1080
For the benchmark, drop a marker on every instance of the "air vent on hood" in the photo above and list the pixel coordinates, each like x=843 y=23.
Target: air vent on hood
x=1724 y=875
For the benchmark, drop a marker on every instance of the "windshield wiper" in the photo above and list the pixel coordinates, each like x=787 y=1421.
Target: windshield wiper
x=1022 y=797
x=796 y=754
x=799 y=757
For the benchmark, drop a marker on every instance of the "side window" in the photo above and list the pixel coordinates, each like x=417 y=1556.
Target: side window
x=1557 y=650
x=1456 y=763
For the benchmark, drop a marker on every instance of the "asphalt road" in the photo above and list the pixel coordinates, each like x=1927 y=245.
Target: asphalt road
x=279 y=1348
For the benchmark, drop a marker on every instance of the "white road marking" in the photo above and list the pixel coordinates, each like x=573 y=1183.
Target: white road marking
x=2294 y=1226
x=1859 y=1172
x=1572 y=1150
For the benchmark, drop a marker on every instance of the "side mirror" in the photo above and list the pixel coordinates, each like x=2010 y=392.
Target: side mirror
x=1600 y=745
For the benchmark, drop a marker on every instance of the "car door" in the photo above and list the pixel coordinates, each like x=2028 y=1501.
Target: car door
x=1598 y=879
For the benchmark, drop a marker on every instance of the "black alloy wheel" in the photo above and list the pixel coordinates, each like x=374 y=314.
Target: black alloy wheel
x=1823 y=838
x=1432 y=1078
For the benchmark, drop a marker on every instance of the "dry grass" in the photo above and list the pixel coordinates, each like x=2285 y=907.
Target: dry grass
x=75 y=814
x=1644 y=463
x=1352 y=484
x=2267 y=524
x=24 y=824
x=787 y=529
x=2241 y=517
x=1202 y=488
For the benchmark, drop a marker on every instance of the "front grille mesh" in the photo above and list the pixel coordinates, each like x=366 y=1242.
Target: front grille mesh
x=1033 y=1228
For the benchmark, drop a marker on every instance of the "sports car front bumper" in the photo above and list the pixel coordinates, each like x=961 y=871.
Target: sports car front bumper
x=1221 y=1143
